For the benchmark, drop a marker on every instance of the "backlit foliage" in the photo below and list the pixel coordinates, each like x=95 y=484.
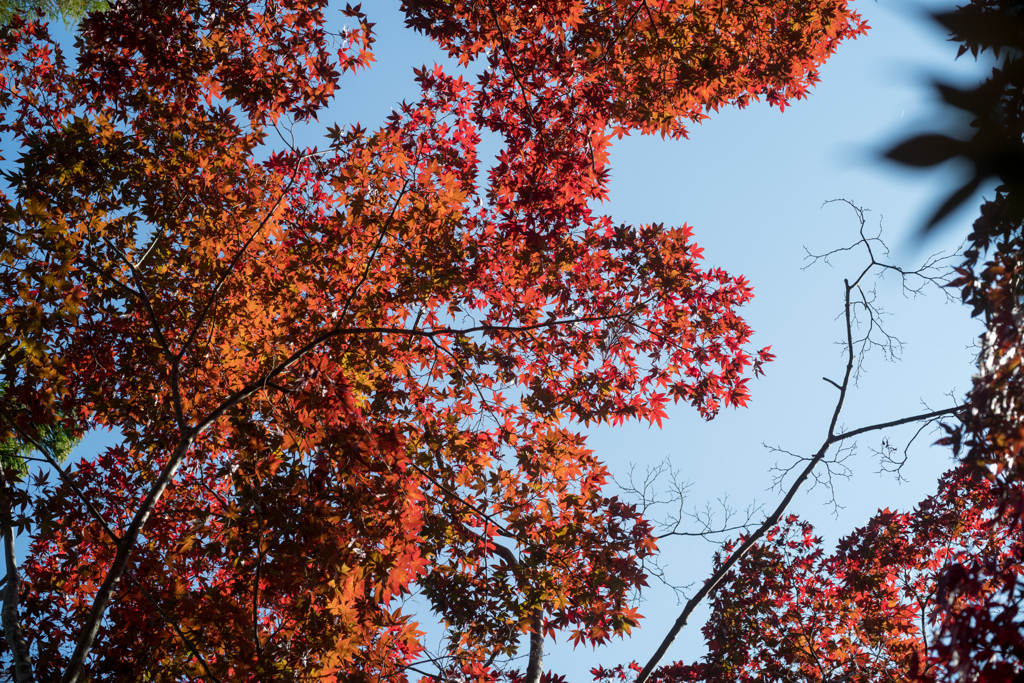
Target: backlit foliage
x=350 y=372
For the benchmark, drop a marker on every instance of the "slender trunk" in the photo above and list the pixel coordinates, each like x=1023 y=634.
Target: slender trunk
x=12 y=624
x=536 y=666
x=124 y=550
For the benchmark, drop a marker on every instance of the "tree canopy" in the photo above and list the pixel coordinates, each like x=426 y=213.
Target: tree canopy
x=345 y=372
x=70 y=11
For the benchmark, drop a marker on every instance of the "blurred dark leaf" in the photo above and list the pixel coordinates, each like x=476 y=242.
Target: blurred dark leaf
x=953 y=202
x=980 y=29
x=927 y=150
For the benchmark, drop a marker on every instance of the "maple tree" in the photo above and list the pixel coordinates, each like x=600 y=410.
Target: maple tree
x=344 y=373
x=980 y=626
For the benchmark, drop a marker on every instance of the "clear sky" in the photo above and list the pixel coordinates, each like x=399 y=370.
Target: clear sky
x=752 y=183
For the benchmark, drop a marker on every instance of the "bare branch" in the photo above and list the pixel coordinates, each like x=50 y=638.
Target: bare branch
x=868 y=316
x=832 y=438
x=716 y=578
x=929 y=416
x=832 y=383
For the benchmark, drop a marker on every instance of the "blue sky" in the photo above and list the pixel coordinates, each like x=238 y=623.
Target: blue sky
x=752 y=183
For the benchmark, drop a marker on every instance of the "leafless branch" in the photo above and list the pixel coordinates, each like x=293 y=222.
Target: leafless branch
x=831 y=439
x=868 y=317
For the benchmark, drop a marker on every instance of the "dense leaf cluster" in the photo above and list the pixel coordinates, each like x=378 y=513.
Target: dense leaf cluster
x=349 y=373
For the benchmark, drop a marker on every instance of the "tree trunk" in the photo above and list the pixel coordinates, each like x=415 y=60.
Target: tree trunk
x=9 y=614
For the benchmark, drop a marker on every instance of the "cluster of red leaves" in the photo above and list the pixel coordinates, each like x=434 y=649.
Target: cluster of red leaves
x=346 y=374
x=677 y=59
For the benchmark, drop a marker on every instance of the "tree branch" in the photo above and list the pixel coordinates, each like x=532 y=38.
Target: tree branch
x=268 y=377
x=127 y=542
x=231 y=269
x=534 y=668
x=716 y=578
x=902 y=421
x=70 y=483
x=124 y=549
x=832 y=438
x=143 y=296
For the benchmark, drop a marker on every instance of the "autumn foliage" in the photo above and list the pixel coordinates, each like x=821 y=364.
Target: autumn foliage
x=349 y=372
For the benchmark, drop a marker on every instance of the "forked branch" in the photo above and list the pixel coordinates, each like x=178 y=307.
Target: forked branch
x=832 y=438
